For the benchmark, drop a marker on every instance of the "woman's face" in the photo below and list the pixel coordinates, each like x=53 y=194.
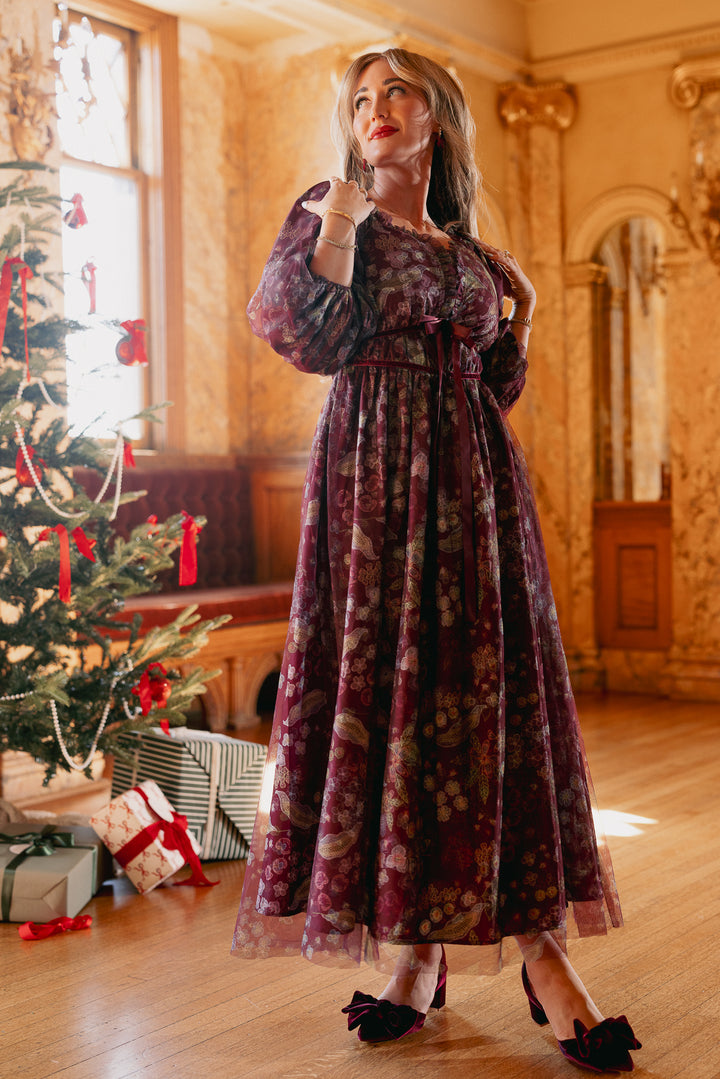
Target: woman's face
x=391 y=119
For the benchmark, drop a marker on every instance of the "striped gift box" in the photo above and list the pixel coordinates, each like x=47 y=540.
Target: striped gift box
x=211 y=779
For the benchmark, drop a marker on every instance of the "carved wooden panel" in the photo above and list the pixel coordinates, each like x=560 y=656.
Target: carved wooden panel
x=633 y=575
x=277 y=488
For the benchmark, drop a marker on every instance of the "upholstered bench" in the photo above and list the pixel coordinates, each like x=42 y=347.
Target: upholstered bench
x=248 y=648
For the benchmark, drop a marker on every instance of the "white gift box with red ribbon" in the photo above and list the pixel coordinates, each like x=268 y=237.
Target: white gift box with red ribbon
x=148 y=838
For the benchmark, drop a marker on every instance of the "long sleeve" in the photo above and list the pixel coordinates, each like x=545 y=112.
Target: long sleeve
x=504 y=367
x=505 y=362
x=314 y=324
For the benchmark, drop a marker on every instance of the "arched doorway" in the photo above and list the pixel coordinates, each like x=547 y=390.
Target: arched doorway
x=632 y=451
x=631 y=414
x=622 y=513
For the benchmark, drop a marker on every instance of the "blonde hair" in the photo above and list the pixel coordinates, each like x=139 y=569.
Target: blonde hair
x=455 y=179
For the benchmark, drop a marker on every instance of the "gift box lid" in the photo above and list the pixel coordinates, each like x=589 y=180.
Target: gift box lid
x=83 y=835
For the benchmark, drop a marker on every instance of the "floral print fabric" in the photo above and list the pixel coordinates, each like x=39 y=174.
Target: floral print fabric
x=426 y=776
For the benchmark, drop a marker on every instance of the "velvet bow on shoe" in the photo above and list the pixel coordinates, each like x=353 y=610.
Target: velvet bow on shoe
x=382 y=1021
x=603 y=1048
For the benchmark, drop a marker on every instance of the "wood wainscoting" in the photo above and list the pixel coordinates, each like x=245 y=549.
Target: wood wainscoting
x=276 y=485
x=633 y=575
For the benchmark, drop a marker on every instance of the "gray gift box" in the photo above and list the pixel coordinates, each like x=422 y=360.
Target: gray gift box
x=38 y=888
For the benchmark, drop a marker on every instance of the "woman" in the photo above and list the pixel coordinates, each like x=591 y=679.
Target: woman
x=429 y=780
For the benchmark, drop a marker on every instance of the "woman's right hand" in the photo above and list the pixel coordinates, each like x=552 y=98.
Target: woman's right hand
x=347 y=198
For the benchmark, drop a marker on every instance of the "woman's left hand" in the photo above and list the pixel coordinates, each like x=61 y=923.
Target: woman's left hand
x=522 y=291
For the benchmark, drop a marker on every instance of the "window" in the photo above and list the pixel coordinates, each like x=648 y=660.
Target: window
x=103 y=237
x=117 y=123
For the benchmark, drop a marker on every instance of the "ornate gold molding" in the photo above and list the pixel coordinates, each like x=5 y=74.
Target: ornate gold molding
x=30 y=106
x=693 y=79
x=582 y=274
x=612 y=207
x=552 y=104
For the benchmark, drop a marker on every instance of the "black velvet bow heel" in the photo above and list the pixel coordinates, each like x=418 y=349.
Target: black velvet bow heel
x=603 y=1048
x=382 y=1021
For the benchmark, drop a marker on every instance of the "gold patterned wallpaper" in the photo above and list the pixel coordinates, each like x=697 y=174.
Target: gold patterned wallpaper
x=255 y=134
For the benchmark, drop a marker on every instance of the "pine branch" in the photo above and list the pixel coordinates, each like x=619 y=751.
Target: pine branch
x=82 y=658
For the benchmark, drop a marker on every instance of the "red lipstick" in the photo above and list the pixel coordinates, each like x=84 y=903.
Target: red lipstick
x=383 y=132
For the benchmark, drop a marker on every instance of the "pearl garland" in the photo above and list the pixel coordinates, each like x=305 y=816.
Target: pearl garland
x=115 y=462
x=125 y=668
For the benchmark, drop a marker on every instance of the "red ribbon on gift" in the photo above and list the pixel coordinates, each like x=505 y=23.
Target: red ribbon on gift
x=173 y=835
x=88 y=274
x=42 y=930
x=22 y=472
x=6 y=279
x=128 y=458
x=84 y=546
x=188 y=550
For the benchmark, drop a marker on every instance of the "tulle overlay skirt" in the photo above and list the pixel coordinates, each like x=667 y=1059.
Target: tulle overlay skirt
x=426 y=778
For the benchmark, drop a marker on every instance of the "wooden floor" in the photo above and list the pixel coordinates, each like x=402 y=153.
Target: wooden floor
x=151 y=990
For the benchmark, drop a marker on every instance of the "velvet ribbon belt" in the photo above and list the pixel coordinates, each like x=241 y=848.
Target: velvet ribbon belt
x=441 y=332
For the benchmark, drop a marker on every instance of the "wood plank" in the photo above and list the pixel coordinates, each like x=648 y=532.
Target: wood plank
x=151 y=990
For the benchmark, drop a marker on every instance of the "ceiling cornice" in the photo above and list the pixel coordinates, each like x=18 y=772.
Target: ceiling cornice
x=493 y=41
x=387 y=23
x=403 y=24
x=662 y=50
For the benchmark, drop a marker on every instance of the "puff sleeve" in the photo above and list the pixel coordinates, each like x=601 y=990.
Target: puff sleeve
x=313 y=323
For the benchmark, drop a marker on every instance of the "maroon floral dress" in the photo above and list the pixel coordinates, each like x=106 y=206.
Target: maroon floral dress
x=426 y=777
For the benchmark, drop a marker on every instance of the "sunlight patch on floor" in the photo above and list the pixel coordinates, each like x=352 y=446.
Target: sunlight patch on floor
x=614 y=822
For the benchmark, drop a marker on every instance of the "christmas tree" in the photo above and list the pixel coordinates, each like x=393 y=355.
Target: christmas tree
x=73 y=674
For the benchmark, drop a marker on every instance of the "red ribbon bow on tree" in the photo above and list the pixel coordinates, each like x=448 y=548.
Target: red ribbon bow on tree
x=22 y=472
x=188 y=550
x=88 y=274
x=130 y=350
x=84 y=546
x=128 y=457
x=6 y=279
x=153 y=688
x=76 y=217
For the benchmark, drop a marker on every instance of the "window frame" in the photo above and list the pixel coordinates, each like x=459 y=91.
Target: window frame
x=158 y=161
